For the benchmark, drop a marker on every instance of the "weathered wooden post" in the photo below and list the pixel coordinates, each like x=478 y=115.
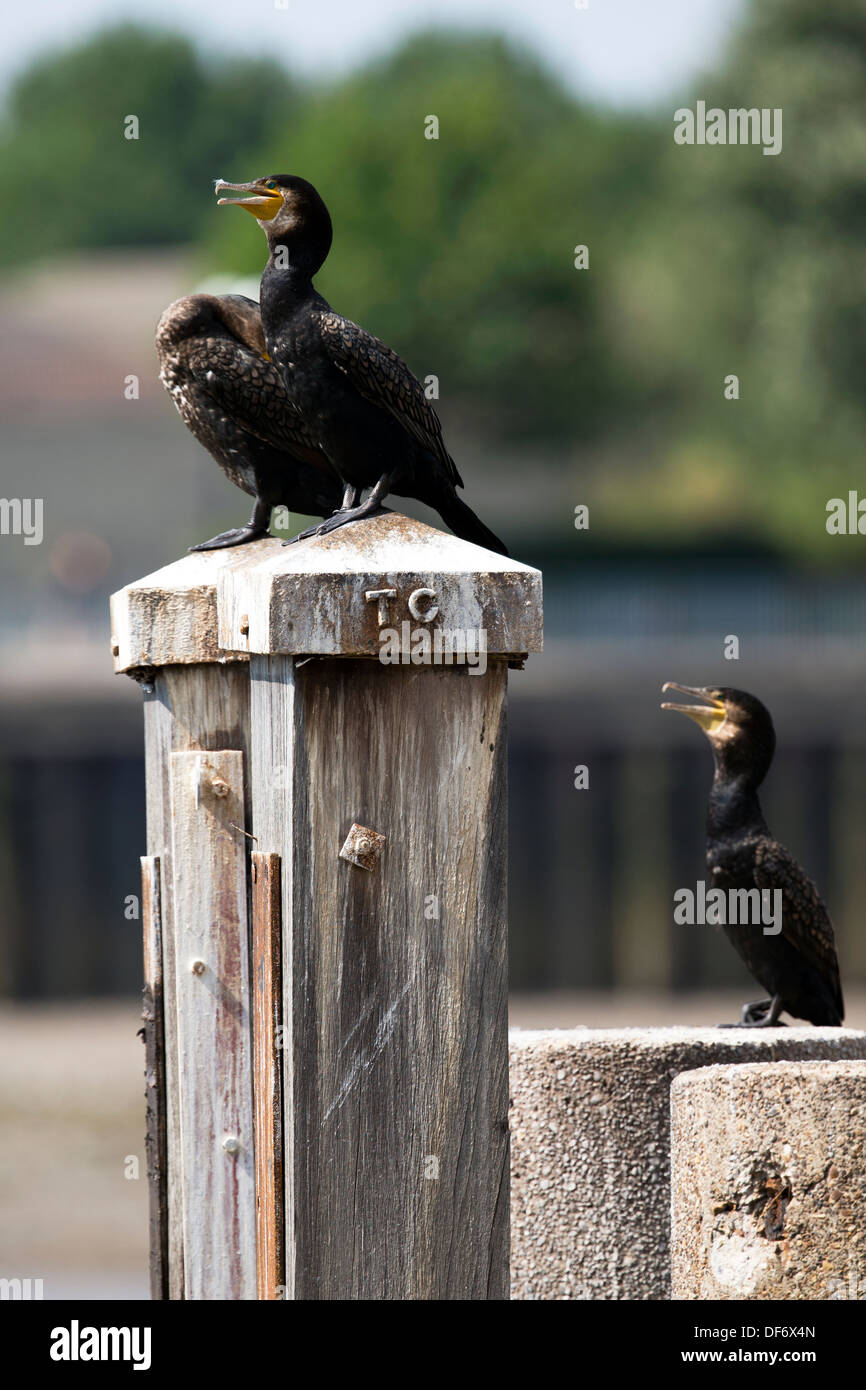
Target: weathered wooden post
x=194 y=901
x=346 y=724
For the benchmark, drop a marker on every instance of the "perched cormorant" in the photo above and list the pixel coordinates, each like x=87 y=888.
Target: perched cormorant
x=360 y=401
x=798 y=966
x=214 y=365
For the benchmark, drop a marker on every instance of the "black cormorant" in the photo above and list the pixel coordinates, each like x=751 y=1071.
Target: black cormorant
x=214 y=365
x=360 y=401
x=798 y=966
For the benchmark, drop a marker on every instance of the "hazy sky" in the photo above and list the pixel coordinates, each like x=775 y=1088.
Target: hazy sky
x=623 y=51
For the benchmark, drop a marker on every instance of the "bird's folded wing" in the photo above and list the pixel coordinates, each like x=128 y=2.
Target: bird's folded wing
x=378 y=374
x=805 y=921
x=251 y=390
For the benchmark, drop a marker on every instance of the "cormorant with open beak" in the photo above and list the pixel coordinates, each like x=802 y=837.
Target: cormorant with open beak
x=798 y=966
x=366 y=410
x=215 y=366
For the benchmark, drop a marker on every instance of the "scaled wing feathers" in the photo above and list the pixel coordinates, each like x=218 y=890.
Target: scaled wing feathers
x=377 y=372
x=805 y=922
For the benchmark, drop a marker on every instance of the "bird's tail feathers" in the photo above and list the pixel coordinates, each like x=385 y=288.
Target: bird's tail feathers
x=465 y=524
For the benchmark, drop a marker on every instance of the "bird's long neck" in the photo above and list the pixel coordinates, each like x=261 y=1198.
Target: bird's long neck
x=734 y=806
x=287 y=282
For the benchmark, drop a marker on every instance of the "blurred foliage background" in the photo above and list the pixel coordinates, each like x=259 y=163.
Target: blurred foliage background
x=703 y=262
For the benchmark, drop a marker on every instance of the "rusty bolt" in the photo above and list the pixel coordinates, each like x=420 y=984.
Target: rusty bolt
x=245 y=625
x=363 y=847
x=198 y=967
x=219 y=787
x=115 y=647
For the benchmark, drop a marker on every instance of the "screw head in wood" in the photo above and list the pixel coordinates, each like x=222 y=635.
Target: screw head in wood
x=231 y=1143
x=363 y=847
x=206 y=783
x=198 y=967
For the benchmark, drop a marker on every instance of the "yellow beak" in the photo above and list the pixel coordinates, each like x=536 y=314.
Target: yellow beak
x=264 y=203
x=710 y=715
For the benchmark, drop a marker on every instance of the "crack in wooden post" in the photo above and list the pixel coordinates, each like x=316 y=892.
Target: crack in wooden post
x=267 y=1014
x=154 y=1053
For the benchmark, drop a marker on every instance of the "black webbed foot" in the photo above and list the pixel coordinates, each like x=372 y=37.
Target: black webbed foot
x=756 y=1012
x=340 y=518
x=241 y=535
x=755 y=1023
x=763 y=1013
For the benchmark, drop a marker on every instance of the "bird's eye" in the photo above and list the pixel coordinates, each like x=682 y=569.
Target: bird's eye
x=270 y=184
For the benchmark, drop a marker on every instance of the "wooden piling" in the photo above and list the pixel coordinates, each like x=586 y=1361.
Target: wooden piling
x=365 y=768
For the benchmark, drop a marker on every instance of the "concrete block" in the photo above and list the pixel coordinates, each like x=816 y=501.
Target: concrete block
x=769 y=1182
x=590 y=1147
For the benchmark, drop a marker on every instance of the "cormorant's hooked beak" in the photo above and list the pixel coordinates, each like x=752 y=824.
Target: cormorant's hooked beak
x=711 y=714
x=264 y=202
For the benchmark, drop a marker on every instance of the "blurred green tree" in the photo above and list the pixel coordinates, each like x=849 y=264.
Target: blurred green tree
x=78 y=182
x=756 y=265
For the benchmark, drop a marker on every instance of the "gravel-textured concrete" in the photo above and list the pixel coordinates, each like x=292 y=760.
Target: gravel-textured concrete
x=590 y=1148
x=769 y=1182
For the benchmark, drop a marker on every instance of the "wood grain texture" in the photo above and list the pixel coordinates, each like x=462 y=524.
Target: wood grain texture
x=154 y=1076
x=187 y=708
x=272 y=771
x=159 y=731
x=267 y=1014
x=395 y=1069
x=213 y=1025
